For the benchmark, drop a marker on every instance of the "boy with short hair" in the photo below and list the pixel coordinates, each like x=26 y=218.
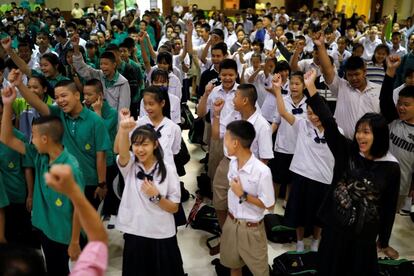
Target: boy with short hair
x=243 y=239
x=85 y=134
x=53 y=213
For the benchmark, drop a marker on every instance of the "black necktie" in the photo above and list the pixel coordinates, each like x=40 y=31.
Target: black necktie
x=298 y=110
x=318 y=139
x=142 y=175
x=158 y=131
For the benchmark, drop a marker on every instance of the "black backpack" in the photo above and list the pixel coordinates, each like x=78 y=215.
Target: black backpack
x=195 y=135
x=204 y=217
x=389 y=267
x=295 y=263
x=221 y=270
x=187 y=118
x=204 y=186
x=276 y=231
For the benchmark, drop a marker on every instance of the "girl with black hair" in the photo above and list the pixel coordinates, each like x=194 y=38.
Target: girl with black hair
x=151 y=197
x=359 y=209
x=377 y=66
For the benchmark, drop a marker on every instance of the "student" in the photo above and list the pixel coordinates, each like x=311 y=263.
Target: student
x=286 y=137
x=239 y=55
x=3 y=81
x=312 y=168
x=116 y=88
x=341 y=54
x=53 y=214
x=262 y=79
x=256 y=64
x=349 y=247
x=85 y=134
x=401 y=120
x=151 y=197
x=377 y=66
x=243 y=241
x=370 y=41
x=355 y=95
x=160 y=79
x=50 y=66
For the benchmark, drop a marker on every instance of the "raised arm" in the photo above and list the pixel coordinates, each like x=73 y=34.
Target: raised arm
x=152 y=53
x=277 y=90
x=147 y=64
x=387 y=105
x=215 y=124
x=6 y=134
x=204 y=53
x=21 y=64
x=15 y=78
x=126 y=125
x=202 y=104
x=294 y=62
x=84 y=70
x=327 y=68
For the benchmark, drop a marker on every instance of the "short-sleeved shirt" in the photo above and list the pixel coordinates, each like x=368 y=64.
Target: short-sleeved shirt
x=83 y=137
x=262 y=83
x=306 y=65
x=217 y=93
x=12 y=166
x=352 y=104
x=256 y=179
x=175 y=109
x=52 y=211
x=137 y=215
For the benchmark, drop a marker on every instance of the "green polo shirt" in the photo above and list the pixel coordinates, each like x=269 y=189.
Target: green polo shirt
x=93 y=62
x=12 y=166
x=4 y=200
x=52 y=211
x=83 y=137
x=110 y=83
x=110 y=119
x=53 y=81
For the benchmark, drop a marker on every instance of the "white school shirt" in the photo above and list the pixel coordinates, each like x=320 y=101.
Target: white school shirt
x=332 y=48
x=261 y=82
x=261 y=146
x=230 y=39
x=137 y=215
x=218 y=92
x=401 y=51
x=269 y=107
x=175 y=109
x=256 y=180
x=306 y=65
x=369 y=47
x=311 y=159
x=170 y=140
x=286 y=134
x=174 y=83
x=335 y=55
x=352 y=104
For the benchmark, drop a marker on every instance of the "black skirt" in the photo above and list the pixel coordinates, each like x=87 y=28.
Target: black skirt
x=280 y=168
x=305 y=198
x=151 y=257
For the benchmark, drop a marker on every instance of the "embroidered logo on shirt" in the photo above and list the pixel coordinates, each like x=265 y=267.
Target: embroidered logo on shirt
x=11 y=165
x=58 y=202
x=87 y=147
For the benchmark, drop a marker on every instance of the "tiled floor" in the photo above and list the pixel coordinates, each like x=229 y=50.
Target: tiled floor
x=192 y=242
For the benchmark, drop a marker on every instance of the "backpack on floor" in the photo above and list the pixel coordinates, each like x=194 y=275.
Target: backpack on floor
x=196 y=133
x=221 y=270
x=389 y=267
x=295 y=263
x=187 y=118
x=276 y=231
x=204 y=217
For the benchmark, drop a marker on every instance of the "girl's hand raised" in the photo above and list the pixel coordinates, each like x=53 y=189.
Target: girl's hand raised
x=127 y=124
x=310 y=78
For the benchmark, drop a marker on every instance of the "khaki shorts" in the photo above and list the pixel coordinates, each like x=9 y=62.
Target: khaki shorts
x=221 y=185
x=243 y=245
x=215 y=153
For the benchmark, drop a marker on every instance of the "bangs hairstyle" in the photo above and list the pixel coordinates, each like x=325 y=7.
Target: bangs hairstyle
x=165 y=57
x=160 y=76
x=228 y=64
x=69 y=84
x=248 y=91
x=54 y=60
x=282 y=65
x=243 y=131
x=143 y=133
x=380 y=131
x=43 y=83
x=108 y=55
x=159 y=95
x=407 y=92
x=354 y=63
x=50 y=126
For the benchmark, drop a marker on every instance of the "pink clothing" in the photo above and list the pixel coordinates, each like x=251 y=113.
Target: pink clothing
x=93 y=260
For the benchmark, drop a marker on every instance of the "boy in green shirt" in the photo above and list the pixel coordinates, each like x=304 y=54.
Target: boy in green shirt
x=85 y=134
x=53 y=213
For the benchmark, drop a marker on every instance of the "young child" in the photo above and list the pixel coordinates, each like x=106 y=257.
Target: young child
x=377 y=66
x=85 y=136
x=312 y=168
x=53 y=213
x=116 y=87
x=262 y=79
x=243 y=239
x=151 y=197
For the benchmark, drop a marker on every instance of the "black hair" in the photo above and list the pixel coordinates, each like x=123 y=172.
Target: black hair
x=242 y=131
x=218 y=32
x=258 y=43
x=249 y=91
x=354 y=63
x=396 y=34
x=111 y=47
x=158 y=74
x=51 y=126
x=407 y=92
x=95 y=83
x=387 y=51
x=16 y=260
x=220 y=46
x=2 y=64
x=128 y=42
x=108 y=55
x=43 y=82
x=300 y=75
x=282 y=66
x=256 y=55
x=54 y=60
x=24 y=44
x=143 y=133
x=228 y=64
x=206 y=27
x=60 y=32
x=70 y=84
x=159 y=95
x=268 y=16
x=132 y=30
x=91 y=44
x=408 y=72
x=118 y=23
x=167 y=58
x=379 y=127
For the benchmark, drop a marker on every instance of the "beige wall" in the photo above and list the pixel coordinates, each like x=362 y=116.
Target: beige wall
x=204 y=5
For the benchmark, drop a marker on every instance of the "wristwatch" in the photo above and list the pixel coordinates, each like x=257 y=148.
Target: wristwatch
x=155 y=199
x=102 y=184
x=243 y=197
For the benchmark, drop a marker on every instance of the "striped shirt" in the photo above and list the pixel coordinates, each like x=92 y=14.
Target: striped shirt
x=375 y=73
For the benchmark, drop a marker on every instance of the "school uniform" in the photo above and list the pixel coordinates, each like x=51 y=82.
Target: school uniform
x=262 y=83
x=286 y=142
x=151 y=246
x=306 y=65
x=345 y=55
x=170 y=139
x=52 y=212
x=369 y=47
x=175 y=109
x=51 y=81
x=243 y=240
x=352 y=104
x=83 y=137
x=269 y=107
x=312 y=166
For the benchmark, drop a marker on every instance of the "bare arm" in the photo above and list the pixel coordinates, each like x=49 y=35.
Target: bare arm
x=289 y=117
x=126 y=125
x=326 y=65
x=295 y=60
x=202 y=104
x=152 y=53
x=145 y=57
x=28 y=175
x=20 y=63
x=204 y=53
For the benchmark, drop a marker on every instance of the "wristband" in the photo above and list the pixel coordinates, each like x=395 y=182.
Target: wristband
x=155 y=199
x=243 y=197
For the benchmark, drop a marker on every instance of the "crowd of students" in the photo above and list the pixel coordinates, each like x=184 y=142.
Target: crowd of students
x=99 y=98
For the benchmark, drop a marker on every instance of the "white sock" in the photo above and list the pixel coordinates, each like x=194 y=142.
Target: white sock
x=300 y=246
x=407 y=204
x=314 y=245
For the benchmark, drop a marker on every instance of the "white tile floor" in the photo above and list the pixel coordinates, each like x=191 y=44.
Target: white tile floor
x=192 y=242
